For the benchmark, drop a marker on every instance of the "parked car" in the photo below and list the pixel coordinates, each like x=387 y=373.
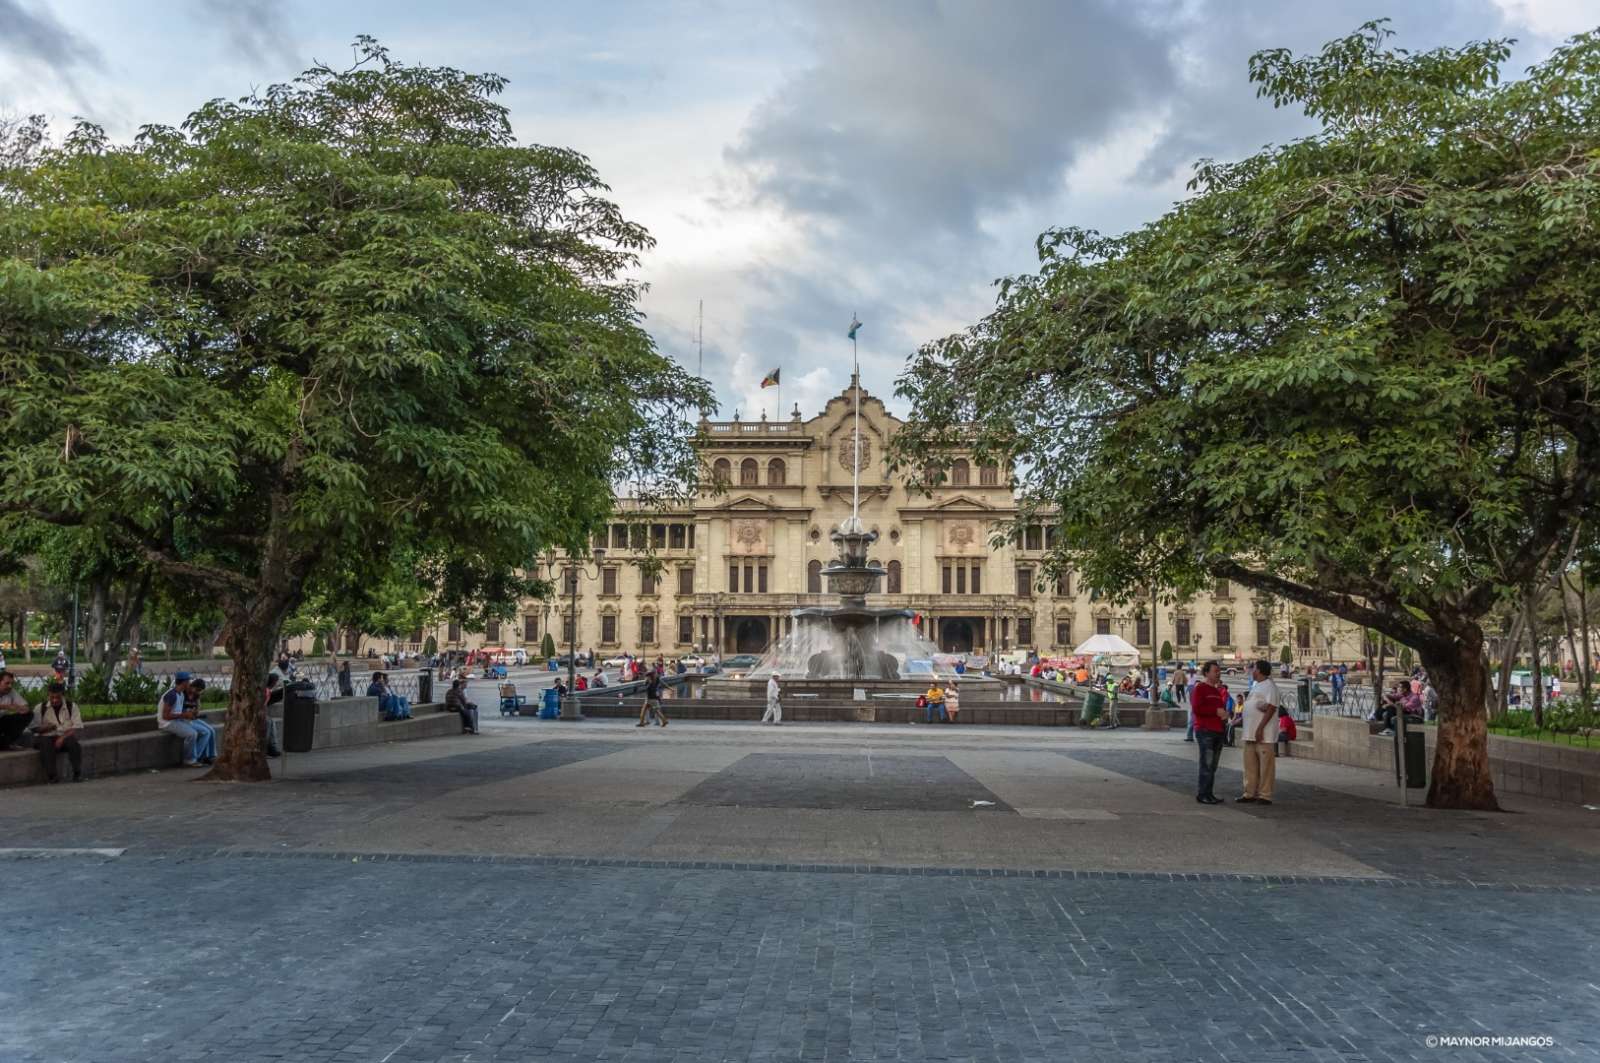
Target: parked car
x=693 y=660
x=739 y=665
x=615 y=662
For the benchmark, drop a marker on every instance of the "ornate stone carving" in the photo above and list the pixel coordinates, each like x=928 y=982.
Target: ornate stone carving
x=848 y=443
x=961 y=535
x=747 y=532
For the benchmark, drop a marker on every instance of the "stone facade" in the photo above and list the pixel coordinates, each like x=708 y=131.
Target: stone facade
x=737 y=561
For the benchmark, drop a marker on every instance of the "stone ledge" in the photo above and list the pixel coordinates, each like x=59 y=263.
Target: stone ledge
x=134 y=743
x=1517 y=765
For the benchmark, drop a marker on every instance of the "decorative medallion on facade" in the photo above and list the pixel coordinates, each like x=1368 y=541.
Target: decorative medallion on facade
x=847 y=451
x=748 y=532
x=961 y=535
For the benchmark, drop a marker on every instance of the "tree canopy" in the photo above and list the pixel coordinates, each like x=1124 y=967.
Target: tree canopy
x=1354 y=370
x=336 y=320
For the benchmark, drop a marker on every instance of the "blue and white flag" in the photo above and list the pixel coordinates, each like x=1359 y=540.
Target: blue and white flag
x=855 y=326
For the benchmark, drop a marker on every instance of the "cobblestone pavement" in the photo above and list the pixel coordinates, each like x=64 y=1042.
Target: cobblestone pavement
x=836 y=893
x=231 y=958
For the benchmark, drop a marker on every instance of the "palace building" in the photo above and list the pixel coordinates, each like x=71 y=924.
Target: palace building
x=739 y=559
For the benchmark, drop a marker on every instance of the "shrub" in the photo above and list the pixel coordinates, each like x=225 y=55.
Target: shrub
x=430 y=646
x=547 y=648
x=1166 y=650
x=318 y=647
x=93 y=685
x=1286 y=655
x=130 y=687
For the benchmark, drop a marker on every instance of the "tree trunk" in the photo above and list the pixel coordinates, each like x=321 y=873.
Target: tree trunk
x=131 y=613
x=1508 y=660
x=1461 y=777
x=1587 y=675
x=1530 y=606
x=99 y=591
x=1566 y=622
x=22 y=635
x=243 y=757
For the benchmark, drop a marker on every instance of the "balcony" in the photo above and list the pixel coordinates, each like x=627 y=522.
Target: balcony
x=751 y=428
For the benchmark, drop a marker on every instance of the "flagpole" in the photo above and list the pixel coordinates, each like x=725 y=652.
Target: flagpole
x=855 y=474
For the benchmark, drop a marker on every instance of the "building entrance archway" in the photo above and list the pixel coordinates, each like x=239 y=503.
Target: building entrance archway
x=956 y=635
x=751 y=634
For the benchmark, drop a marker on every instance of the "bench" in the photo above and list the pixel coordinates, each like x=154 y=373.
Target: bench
x=110 y=747
x=134 y=743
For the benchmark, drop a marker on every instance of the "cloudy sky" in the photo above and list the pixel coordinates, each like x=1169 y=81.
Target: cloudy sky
x=797 y=162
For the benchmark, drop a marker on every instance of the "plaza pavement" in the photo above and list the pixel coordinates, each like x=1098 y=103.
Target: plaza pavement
x=551 y=890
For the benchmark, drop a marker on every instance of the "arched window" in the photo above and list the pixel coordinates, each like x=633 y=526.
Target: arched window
x=960 y=473
x=749 y=473
x=814 y=577
x=722 y=472
x=894 y=577
x=775 y=472
x=988 y=476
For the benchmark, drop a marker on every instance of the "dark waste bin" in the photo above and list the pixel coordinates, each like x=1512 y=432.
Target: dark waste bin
x=1303 y=695
x=1416 y=753
x=299 y=716
x=1093 y=705
x=425 y=687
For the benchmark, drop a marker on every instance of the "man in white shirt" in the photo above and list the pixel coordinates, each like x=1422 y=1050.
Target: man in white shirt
x=774 y=713
x=1260 y=729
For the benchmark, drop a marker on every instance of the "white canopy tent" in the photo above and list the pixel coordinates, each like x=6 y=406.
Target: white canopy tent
x=1118 y=649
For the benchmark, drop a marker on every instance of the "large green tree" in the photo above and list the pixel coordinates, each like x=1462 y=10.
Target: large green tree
x=336 y=318
x=1355 y=371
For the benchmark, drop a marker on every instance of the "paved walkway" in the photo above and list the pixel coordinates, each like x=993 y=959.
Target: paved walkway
x=731 y=892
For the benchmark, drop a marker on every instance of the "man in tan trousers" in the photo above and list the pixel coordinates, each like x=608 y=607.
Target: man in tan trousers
x=1260 y=730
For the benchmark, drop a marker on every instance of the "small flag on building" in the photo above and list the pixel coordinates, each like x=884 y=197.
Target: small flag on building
x=771 y=379
x=855 y=326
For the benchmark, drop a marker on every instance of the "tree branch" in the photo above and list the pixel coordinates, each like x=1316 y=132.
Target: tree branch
x=1399 y=626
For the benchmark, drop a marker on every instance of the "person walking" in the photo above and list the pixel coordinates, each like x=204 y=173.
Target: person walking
x=1260 y=726
x=774 y=713
x=652 y=700
x=1336 y=679
x=1206 y=703
x=1180 y=699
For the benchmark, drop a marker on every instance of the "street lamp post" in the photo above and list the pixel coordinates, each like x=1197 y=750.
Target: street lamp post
x=569 y=705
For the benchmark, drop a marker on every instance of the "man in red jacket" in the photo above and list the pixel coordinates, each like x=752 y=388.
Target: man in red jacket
x=1208 y=699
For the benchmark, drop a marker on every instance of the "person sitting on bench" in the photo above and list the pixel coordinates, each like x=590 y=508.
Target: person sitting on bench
x=205 y=739
x=456 y=701
x=15 y=712
x=391 y=706
x=56 y=731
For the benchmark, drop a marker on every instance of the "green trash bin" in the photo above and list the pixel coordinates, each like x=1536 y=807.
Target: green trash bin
x=1303 y=696
x=1093 y=705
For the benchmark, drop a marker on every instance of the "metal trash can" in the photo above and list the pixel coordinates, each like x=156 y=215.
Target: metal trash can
x=1093 y=705
x=552 y=705
x=425 y=687
x=299 y=716
x=1416 y=754
x=1302 y=691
